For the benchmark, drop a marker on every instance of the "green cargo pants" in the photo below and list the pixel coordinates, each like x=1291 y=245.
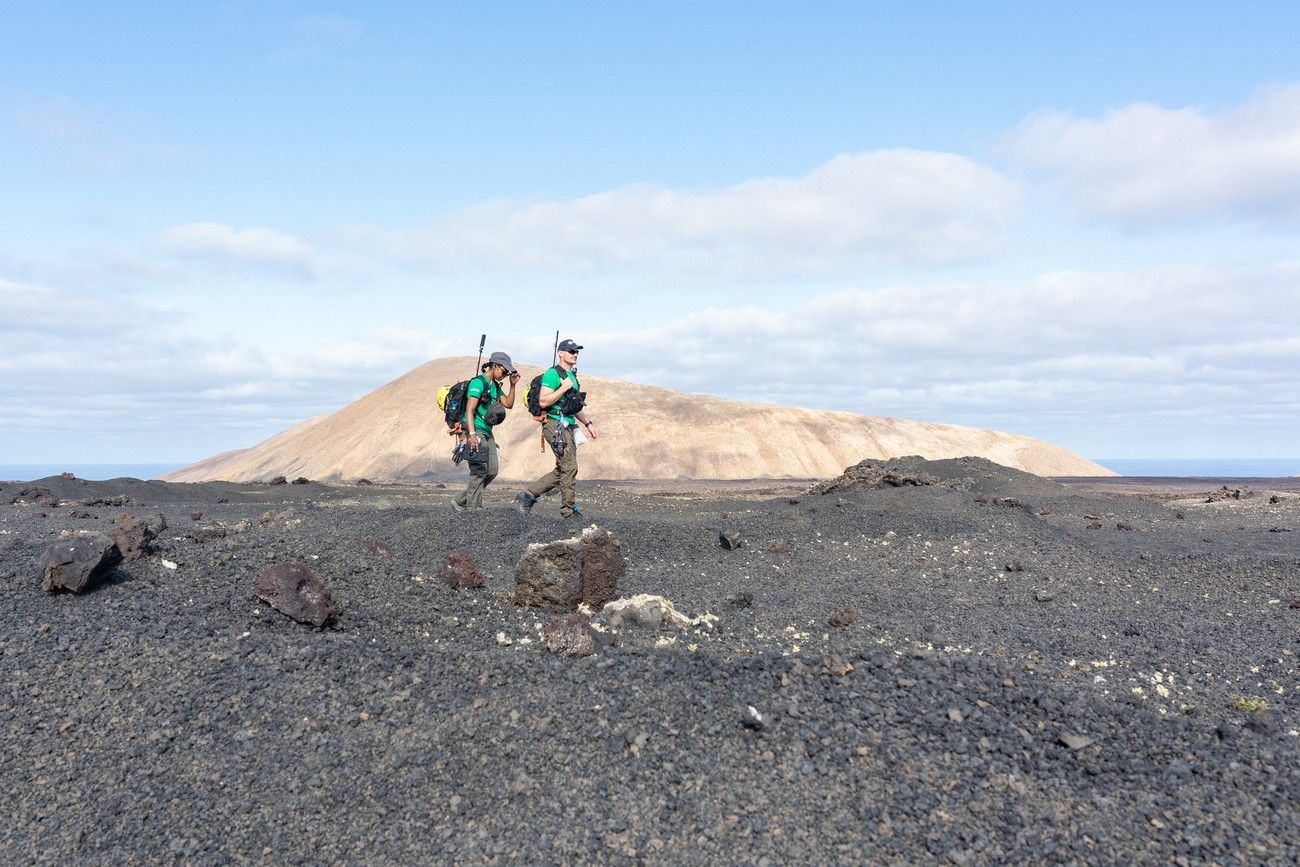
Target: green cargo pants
x=481 y=473
x=565 y=473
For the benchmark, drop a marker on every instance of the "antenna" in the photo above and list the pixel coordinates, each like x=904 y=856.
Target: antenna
x=555 y=352
x=482 y=341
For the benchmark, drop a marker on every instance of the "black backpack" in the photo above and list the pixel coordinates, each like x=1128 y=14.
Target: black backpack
x=457 y=399
x=535 y=393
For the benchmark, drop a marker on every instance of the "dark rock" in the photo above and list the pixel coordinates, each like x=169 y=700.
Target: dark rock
x=301 y=480
x=208 y=534
x=295 y=591
x=1279 y=530
x=278 y=480
x=268 y=517
x=571 y=635
x=1009 y=502
x=603 y=565
x=69 y=476
x=378 y=548
x=196 y=516
x=778 y=547
x=743 y=599
x=1273 y=500
x=1295 y=603
x=74 y=564
x=112 y=502
x=461 y=573
x=77 y=514
x=568 y=572
x=872 y=474
x=1075 y=741
x=134 y=537
x=440 y=485
x=1125 y=527
x=843 y=616
x=1015 y=566
x=35 y=496
x=730 y=541
x=1044 y=595
x=364 y=482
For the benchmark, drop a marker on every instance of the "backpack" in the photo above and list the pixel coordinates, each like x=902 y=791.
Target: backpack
x=453 y=398
x=533 y=395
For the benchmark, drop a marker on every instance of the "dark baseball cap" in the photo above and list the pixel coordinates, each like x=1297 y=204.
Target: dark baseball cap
x=567 y=345
x=504 y=360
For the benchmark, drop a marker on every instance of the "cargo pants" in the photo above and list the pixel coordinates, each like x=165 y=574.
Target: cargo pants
x=565 y=474
x=482 y=470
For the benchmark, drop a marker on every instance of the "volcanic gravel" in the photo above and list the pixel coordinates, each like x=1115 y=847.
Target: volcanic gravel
x=1030 y=672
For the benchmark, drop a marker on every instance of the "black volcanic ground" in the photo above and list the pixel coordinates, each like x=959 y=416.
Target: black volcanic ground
x=1097 y=702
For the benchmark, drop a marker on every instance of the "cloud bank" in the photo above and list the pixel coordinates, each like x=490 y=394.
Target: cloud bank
x=1146 y=164
x=861 y=210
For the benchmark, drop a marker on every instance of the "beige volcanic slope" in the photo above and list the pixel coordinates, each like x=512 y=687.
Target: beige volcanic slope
x=397 y=432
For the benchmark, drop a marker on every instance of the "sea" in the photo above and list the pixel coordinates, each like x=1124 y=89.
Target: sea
x=1231 y=468
x=93 y=472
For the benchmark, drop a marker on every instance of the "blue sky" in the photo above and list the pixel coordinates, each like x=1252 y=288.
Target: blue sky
x=1074 y=221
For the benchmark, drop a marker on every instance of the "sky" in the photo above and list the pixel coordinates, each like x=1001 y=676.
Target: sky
x=1074 y=221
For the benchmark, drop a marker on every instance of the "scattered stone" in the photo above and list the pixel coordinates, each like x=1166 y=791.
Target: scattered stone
x=208 y=534
x=134 y=537
x=751 y=719
x=730 y=541
x=167 y=564
x=460 y=572
x=1092 y=517
x=874 y=474
x=1295 y=603
x=110 y=502
x=1015 y=566
x=955 y=715
x=1261 y=721
x=76 y=564
x=1279 y=529
x=571 y=635
x=278 y=480
x=1273 y=500
x=843 y=616
x=583 y=570
x=743 y=599
x=837 y=664
x=301 y=480
x=1044 y=595
x=780 y=546
x=364 y=482
x=84 y=515
x=1125 y=527
x=1226 y=493
x=68 y=476
x=1009 y=502
x=196 y=516
x=1075 y=741
x=267 y=517
x=295 y=591
x=378 y=548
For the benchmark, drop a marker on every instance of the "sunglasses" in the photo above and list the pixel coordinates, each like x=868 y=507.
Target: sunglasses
x=570 y=351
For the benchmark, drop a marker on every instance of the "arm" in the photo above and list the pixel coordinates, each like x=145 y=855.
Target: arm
x=508 y=398
x=549 y=396
x=587 y=423
x=471 y=405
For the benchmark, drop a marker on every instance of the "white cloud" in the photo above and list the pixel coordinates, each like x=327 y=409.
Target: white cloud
x=854 y=212
x=1148 y=164
x=254 y=246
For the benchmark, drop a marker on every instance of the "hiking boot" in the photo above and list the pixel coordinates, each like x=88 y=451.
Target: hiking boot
x=524 y=502
x=457 y=506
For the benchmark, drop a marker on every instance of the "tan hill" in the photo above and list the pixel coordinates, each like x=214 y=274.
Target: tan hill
x=397 y=432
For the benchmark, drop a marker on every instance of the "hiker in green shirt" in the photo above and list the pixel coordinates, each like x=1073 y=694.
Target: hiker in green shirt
x=561 y=398
x=486 y=403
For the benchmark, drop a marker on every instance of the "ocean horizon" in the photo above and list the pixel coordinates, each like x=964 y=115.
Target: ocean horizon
x=1270 y=468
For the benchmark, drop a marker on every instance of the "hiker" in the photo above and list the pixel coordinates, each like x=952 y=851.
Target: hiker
x=561 y=399
x=485 y=406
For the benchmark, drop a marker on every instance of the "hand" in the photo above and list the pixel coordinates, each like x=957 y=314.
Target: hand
x=473 y=442
x=591 y=429
x=514 y=378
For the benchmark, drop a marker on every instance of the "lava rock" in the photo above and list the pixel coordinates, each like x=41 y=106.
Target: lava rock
x=570 y=572
x=571 y=635
x=461 y=573
x=278 y=480
x=752 y=719
x=843 y=616
x=780 y=546
x=730 y=541
x=76 y=563
x=295 y=591
x=743 y=599
x=134 y=537
x=873 y=474
x=301 y=480
x=1015 y=566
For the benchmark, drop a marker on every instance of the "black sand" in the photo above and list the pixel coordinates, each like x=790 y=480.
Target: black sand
x=1124 y=693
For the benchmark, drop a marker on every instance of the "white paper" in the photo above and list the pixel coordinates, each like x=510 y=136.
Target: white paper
x=579 y=436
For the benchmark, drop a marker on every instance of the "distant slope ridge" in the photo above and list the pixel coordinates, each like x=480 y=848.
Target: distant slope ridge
x=646 y=432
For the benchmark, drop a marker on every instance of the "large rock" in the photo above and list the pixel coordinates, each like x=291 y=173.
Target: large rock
x=134 y=537
x=571 y=636
x=295 y=591
x=871 y=474
x=75 y=563
x=460 y=572
x=571 y=572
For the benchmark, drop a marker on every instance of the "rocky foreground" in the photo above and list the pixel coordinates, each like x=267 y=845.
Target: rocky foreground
x=918 y=662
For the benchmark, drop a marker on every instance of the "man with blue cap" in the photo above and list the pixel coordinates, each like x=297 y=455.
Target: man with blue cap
x=562 y=399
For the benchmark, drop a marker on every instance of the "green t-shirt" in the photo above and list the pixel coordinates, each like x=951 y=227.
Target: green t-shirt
x=476 y=388
x=551 y=379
